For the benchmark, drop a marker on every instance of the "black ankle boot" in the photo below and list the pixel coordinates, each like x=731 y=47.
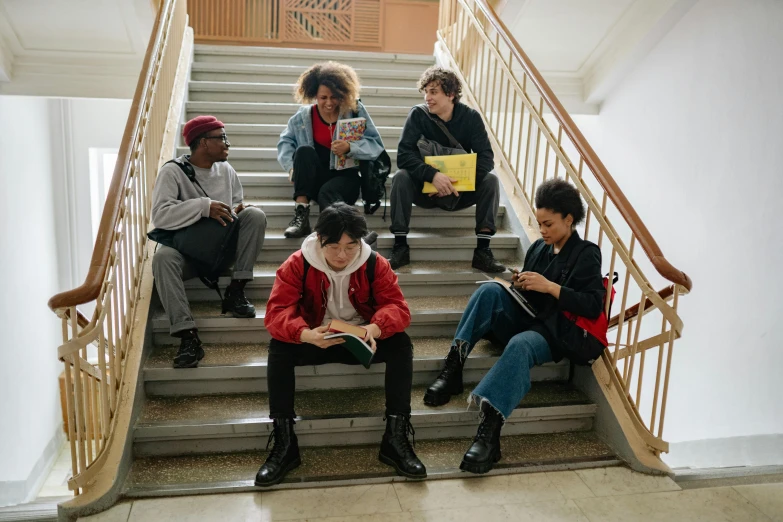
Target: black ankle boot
x=485 y=451
x=300 y=225
x=284 y=455
x=448 y=383
x=235 y=301
x=396 y=449
x=190 y=350
x=484 y=260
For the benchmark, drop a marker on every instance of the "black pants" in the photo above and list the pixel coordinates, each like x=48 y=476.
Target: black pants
x=319 y=183
x=396 y=351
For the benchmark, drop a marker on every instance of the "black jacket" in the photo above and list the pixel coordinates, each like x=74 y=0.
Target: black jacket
x=582 y=294
x=465 y=125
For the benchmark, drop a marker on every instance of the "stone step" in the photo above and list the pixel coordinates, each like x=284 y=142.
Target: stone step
x=359 y=465
x=246 y=72
x=267 y=135
x=263 y=158
x=430 y=317
x=275 y=185
x=279 y=213
x=420 y=279
x=307 y=57
x=279 y=113
x=337 y=417
x=283 y=92
x=242 y=368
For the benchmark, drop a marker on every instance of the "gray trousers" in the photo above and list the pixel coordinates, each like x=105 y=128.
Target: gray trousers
x=405 y=192
x=171 y=269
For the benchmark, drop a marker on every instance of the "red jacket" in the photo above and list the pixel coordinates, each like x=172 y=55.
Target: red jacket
x=292 y=309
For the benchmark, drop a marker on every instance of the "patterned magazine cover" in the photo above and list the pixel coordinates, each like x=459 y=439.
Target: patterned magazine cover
x=349 y=130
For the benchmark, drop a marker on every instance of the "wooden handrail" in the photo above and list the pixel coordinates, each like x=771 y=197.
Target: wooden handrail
x=101 y=252
x=607 y=182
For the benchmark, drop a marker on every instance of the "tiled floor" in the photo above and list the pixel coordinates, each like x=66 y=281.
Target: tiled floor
x=609 y=494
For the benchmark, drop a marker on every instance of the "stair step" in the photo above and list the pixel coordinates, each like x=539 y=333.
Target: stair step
x=280 y=211
x=283 y=93
x=245 y=72
x=263 y=158
x=430 y=316
x=227 y=423
x=342 y=465
x=275 y=184
x=307 y=57
x=242 y=368
x=246 y=112
x=417 y=280
x=267 y=135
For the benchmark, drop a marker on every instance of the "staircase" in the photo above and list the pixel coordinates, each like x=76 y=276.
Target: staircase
x=205 y=429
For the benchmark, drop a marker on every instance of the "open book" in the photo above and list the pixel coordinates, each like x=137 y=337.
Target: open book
x=349 y=130
x=514 y=293
x=353 y=340
x=461 y=167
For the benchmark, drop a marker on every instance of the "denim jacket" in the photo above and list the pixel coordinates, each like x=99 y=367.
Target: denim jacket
x=300 y=132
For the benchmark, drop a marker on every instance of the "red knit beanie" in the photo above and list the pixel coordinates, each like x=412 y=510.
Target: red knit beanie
x=198 y=126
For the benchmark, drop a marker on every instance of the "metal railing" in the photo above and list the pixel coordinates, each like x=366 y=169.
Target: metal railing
x=539 y=141
x=94 y=350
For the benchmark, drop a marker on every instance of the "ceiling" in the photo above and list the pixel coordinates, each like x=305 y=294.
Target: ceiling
x=73 y=47
x=94 y=48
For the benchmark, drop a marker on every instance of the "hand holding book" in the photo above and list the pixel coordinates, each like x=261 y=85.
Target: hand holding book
x=316 y=337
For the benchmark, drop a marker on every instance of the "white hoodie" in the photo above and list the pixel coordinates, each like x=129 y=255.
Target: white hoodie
x=338 y=306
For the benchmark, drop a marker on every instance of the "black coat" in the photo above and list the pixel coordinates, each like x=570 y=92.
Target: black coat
x=465 y=125
x=583 y=295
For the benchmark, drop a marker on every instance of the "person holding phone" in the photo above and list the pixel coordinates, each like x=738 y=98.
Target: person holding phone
x=328 y=279
x=528 y=341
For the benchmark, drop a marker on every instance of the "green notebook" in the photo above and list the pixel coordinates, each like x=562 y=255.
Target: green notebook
x=356 y=346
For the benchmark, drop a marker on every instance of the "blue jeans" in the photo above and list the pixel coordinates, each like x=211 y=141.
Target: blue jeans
x=492 y=310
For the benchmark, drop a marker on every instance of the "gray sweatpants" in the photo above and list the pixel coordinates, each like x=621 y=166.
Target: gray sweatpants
x=405 y=192
x=171 y=269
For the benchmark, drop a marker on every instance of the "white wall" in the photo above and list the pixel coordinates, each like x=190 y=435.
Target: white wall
x=693 y=136
x=29 y=397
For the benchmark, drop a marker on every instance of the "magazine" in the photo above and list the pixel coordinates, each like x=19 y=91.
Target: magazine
x=349 y=130
x=461 y=167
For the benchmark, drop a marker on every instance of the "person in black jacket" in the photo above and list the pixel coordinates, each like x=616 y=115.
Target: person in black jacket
x=528 y=341
x=442 y=91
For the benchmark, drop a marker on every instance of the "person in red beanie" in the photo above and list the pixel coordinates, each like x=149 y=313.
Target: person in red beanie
x=178 y=202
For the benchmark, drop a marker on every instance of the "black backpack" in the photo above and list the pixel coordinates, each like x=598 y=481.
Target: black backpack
x=370 y=272
x=374 y=176
x=208 y=245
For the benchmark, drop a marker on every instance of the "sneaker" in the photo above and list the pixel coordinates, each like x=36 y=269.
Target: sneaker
x=300 y=225
x=190 y=353
x=235 y=302
x=484 y=260
x=400 y=256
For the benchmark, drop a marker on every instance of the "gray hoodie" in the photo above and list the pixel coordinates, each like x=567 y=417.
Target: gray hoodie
x=178 y=202
x=338 y=306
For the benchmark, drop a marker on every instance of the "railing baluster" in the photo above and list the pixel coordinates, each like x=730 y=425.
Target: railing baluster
x=668 y=367
x=559 y=139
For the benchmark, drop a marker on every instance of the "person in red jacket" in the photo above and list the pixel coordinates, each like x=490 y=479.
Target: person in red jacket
x=335 y=285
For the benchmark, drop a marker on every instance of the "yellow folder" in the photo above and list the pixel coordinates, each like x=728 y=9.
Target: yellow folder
x=461 y=167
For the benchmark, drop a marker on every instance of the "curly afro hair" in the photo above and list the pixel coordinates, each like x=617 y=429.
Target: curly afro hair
x=561 y=197
x=447 y=80
x=341 y=79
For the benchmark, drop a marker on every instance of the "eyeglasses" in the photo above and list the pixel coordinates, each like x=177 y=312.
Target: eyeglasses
x=221 y=137
x=336 y=249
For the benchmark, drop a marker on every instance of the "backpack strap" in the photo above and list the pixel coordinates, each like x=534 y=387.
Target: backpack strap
x=304 y=272
x=571 y=261
x=452 y=140
x=183 y=162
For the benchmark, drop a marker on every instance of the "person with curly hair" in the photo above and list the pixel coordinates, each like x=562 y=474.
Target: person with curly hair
x=308 y=147
x=562 y=273
x=442 y=109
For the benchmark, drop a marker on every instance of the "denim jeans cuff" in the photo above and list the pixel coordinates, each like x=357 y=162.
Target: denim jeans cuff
x=479 y=401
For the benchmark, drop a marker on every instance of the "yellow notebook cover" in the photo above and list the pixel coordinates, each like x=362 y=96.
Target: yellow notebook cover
x=461 y=167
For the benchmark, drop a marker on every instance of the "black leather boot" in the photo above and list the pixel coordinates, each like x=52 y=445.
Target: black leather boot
x=300 y=225
x=235 y=301
x=284 y=455
x=448 y=383
x=400 y=256
x=485 y=451
x=190 y=351
x=484 y=260
x=396 y=449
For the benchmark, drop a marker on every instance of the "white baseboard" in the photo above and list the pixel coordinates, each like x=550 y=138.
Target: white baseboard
x=20 y=491
x=753 y=451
